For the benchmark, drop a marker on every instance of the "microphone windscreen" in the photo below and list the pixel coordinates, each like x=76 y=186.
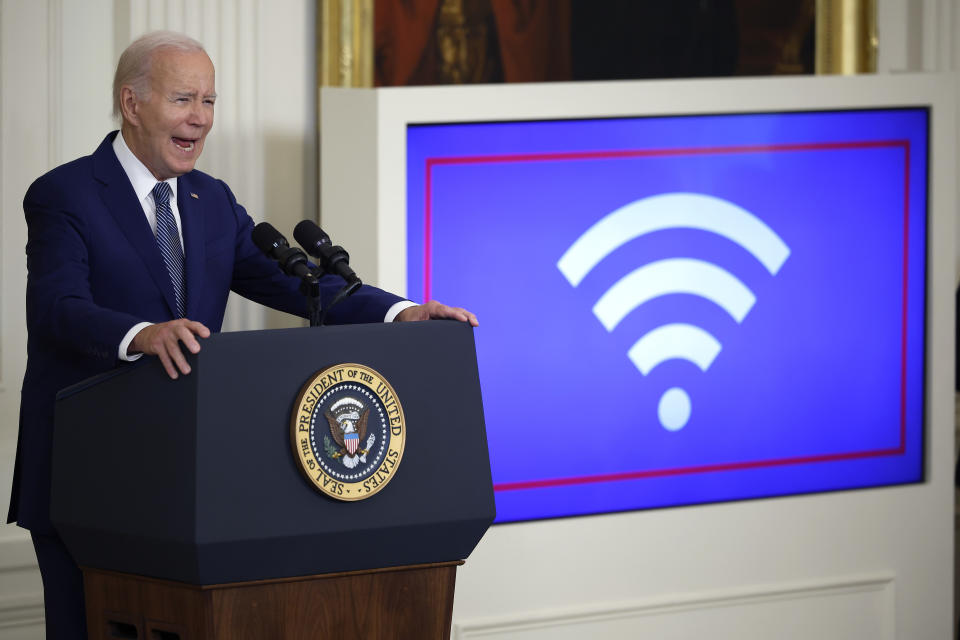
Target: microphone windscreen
x=310 y=236
x=267 y=238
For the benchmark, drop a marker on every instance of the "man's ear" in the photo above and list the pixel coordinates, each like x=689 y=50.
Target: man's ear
x=129 y=105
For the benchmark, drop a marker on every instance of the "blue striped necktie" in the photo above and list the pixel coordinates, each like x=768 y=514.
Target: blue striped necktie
x=168 y=240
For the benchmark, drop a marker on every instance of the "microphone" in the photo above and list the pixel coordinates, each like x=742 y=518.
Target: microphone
x=272 y=243
x=333 y=259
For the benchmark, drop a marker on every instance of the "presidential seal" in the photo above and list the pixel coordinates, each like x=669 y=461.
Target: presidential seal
x=348 y=431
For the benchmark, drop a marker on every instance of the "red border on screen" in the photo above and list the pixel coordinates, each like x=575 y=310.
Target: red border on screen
x=647 y=153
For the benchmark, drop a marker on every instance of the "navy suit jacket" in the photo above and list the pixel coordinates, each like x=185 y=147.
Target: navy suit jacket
x=94 y=271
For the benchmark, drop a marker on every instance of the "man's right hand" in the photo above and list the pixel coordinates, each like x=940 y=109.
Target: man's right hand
x=163 y=340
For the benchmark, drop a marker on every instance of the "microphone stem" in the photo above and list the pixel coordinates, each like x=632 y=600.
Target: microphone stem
x=315 y=312
x=310 y=287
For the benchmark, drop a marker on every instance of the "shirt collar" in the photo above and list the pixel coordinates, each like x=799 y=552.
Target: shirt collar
x=140 y=177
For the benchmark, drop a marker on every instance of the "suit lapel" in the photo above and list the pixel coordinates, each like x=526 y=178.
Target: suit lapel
x=121 y=200
x=190 y=204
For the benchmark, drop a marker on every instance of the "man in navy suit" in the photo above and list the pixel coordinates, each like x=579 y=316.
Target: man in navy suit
x=131 y=251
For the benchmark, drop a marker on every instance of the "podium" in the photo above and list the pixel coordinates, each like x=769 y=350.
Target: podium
x=185 y=505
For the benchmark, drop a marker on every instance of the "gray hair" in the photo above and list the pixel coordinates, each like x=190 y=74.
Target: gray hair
x=134 y=66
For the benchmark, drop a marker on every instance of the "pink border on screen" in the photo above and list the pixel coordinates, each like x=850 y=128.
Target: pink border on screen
x=647 y=153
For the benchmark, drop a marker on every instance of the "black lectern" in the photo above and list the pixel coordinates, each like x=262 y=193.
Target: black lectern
x=183 y=502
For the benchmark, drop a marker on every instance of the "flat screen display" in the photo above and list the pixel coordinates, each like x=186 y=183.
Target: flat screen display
x=684 y=309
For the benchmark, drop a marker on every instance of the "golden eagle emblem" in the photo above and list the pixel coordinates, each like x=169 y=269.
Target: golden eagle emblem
x=348 y=426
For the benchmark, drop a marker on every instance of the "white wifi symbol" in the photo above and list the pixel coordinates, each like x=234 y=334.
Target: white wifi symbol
x=673 y=275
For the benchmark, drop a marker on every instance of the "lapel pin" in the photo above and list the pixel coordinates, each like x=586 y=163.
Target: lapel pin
x=193 y=195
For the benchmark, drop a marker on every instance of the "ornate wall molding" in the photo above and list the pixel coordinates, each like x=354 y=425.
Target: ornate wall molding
x=3 y=297
x=54 y=81
x=21 y=597
x=862 y=593
x=939 y=51
x=25 y=611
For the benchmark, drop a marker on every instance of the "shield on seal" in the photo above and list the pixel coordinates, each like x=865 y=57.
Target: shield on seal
x=350 y=441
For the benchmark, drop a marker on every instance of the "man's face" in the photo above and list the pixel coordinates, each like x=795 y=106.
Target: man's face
x=167 y=129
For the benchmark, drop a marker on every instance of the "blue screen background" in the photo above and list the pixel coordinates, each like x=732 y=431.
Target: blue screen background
x=820 y=387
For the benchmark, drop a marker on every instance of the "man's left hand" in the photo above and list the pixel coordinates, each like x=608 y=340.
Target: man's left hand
x=436 y=310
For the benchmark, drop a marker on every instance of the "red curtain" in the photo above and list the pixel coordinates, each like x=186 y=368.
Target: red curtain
x=402 y=29
x=534 y=37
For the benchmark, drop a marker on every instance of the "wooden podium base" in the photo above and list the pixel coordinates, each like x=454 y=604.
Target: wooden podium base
x=404 y=602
